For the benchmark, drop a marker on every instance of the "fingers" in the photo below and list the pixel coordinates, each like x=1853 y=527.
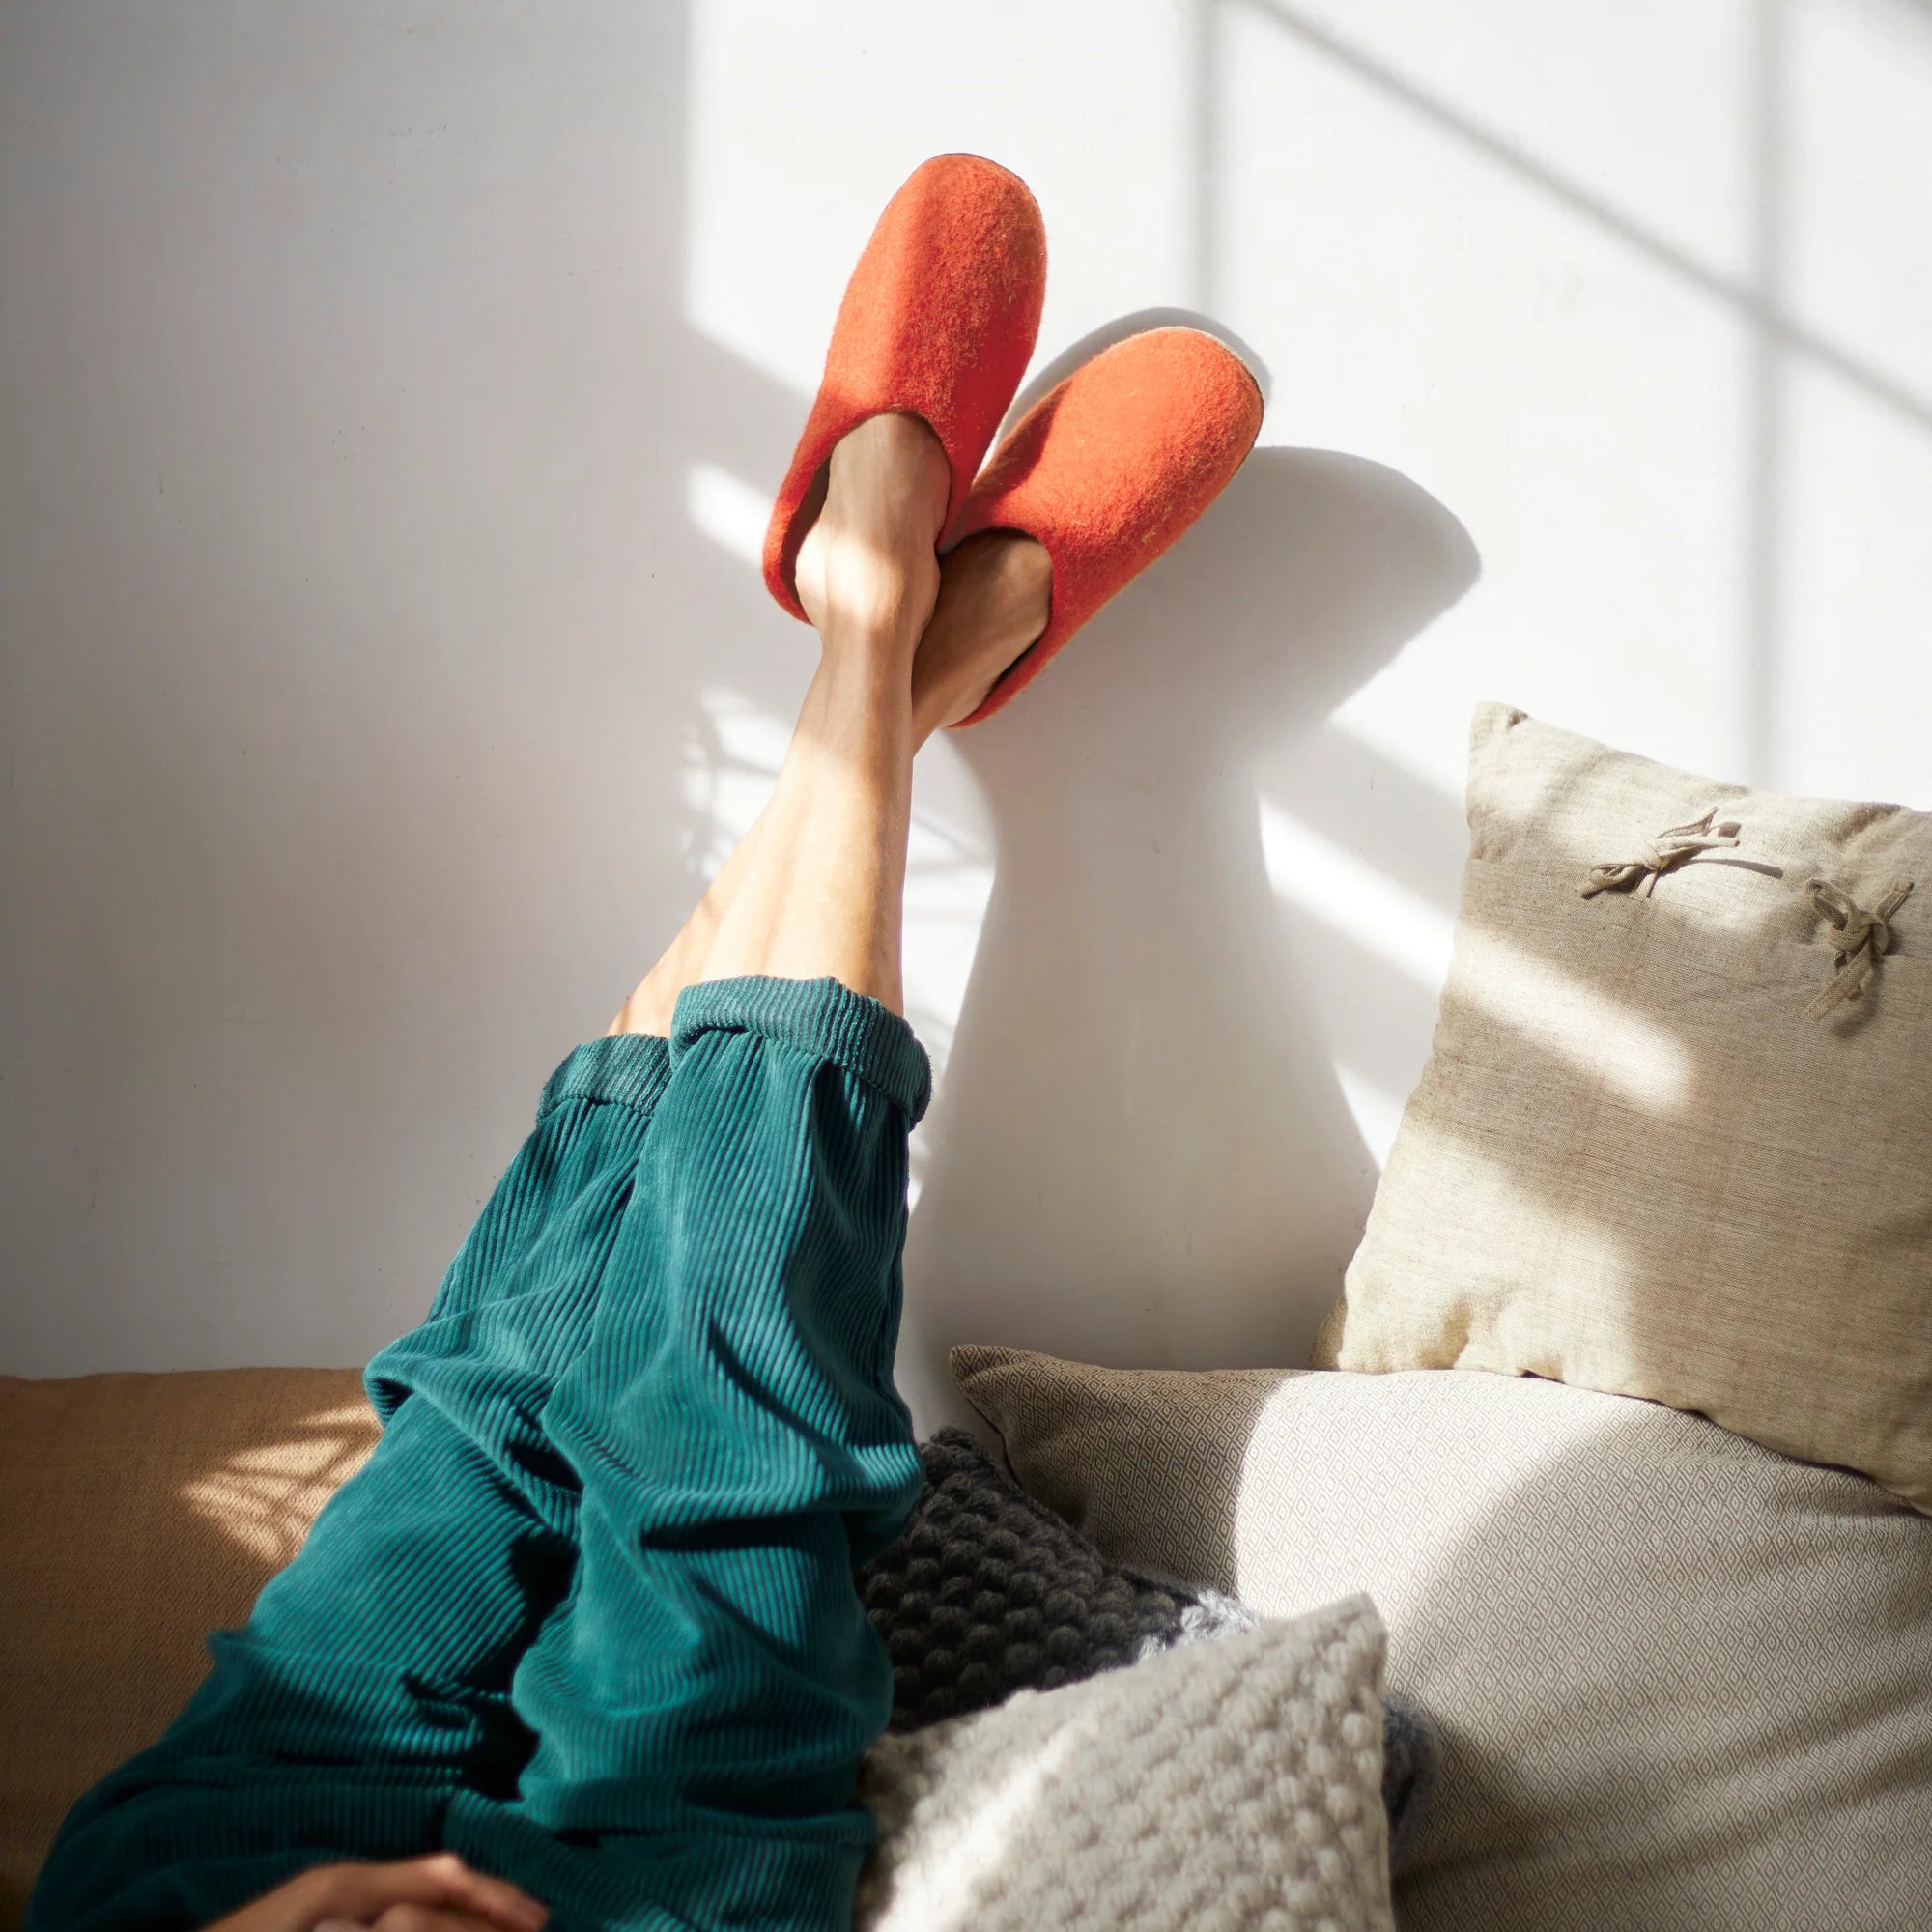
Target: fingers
x=463 y=1900
x=411 y=1918
x=429 y=1919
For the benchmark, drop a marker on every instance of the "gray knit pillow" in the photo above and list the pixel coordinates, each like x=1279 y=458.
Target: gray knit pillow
x=988 y=1593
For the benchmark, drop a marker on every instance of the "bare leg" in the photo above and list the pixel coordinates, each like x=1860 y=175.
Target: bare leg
x=994 y=593
x=821 y=888
x=818 y=889
x=649 y=1007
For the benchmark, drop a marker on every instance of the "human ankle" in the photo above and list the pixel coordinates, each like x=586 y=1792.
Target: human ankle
x=867 y=565
x=870 y=600
x=995 y=600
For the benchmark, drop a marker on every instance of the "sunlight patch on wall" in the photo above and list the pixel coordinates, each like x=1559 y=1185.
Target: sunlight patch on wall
x=730 y=764
x=1572 y=355
x=948 y=880
x=727 y=510
x=1639 y=105
x=1388 y=719
x=1859 y=598
x=1376 y=1109
x=1549 y=1008
x=1382 y=916
x=1859 y=266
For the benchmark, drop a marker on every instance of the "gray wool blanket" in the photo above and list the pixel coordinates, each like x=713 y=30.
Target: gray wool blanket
x=988 y=1592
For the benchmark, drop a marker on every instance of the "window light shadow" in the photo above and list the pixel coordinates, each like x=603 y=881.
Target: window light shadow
x=1762 y=299
x=263 y=1498
x=1748 y=297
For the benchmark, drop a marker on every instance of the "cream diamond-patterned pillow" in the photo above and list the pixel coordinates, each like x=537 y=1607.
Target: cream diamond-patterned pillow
x=1232 y=1788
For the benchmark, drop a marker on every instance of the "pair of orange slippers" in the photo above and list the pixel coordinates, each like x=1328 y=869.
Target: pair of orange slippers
x=1105 y=471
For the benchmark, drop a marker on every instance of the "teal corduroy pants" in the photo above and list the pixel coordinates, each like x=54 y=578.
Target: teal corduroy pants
x=586 y=1616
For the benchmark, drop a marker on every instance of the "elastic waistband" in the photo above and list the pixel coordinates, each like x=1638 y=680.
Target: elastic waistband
x=820 y=1017
x=629 y=1068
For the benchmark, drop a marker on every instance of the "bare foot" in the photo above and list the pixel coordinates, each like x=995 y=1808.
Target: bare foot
x=867 y=568
x=995 y=595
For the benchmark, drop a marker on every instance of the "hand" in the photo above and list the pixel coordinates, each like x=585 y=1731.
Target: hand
x=432 y=1894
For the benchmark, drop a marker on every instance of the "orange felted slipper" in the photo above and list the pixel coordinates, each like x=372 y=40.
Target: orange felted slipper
x=1107 y=469
x=938 y=320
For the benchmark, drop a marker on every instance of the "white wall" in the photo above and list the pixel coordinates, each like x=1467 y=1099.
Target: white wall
x=388 y=398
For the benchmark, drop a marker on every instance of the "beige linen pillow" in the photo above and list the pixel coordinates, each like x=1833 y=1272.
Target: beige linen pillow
x=1674 y=1141
x=1680 y=1682
x=1234 y=1786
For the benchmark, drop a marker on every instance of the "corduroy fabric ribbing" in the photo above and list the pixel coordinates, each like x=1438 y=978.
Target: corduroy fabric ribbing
x=623 y=1068
x=587 y=1615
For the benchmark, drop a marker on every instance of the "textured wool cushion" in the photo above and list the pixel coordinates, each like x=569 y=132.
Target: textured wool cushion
x=1681 y=1683
x=1675 y=1136
x=988 y=1592
x=1221 y=1787
x=137 y=1513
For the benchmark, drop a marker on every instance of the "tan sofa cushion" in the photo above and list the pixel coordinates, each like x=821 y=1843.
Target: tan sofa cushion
x=1662 y=1146
x=137 y=1513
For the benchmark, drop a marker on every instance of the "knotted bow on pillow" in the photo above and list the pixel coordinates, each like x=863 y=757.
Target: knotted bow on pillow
x=1666 y=850
x=1859 y=939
